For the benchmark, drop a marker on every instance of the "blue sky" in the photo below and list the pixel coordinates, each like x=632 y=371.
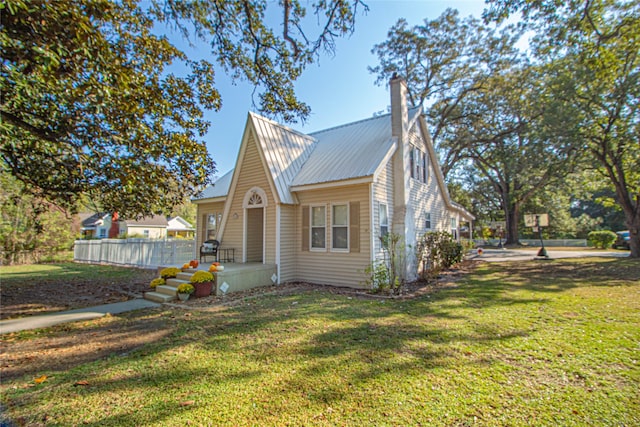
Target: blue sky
x=338 y=88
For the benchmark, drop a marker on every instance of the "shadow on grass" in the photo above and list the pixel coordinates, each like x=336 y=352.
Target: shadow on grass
x=312 y=344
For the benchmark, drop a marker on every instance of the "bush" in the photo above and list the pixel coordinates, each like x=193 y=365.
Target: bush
x=602 y=239
x=437 y=251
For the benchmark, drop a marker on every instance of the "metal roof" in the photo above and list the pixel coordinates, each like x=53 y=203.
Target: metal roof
x=349 y=151
x=353 y=150
x=285 y=152
x=220 y=188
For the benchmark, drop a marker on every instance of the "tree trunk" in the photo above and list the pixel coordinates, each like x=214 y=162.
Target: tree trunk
x=633 y=223
x=511 y=214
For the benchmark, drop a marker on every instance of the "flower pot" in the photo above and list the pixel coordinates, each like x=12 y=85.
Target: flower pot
x=183 y=297
x=202 y=289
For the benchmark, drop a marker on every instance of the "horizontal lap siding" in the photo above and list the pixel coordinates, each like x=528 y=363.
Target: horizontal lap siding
x=382 y=193
x=288 y=243
x=251 y=174
x=335 y=268
x=427 y=197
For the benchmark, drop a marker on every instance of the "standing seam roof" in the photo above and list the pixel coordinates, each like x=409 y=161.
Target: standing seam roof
x=285 y=151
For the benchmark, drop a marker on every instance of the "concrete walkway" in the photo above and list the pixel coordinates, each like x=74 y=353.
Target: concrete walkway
x=87 y=313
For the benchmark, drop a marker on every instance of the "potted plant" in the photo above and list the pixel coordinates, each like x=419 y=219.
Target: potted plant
x=203 y=282
x=184 y=290
x=169 y=272
x=159 y=281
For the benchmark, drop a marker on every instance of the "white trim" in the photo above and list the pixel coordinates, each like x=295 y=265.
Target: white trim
x=249 y=195
x=209 y=200
x=372 y=237
x=245 y=223
x=348 y=248
x=331 y=184
x=311 y=248
x=387 y=157
x=277 y=242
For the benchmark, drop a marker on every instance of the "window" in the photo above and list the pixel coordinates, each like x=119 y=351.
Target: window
x=419 y=164
x=212 y=225
x=103 y=232
x=454 y=228
x=340 y=227
x=318 y=227
x=145 y=233
x=427 y=222
x=384 y=220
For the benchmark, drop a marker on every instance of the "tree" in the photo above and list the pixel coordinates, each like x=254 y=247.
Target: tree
x=89 y=106
x=28 y=223
x=445 y=61
x=505 y=134
x=594 y=46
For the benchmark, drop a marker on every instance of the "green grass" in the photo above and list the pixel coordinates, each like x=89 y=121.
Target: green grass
x=18 y=275
x=540 y=343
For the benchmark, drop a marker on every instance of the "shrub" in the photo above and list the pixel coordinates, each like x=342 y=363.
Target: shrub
x=186 y=288
x=157 y=282
x=602 y=239
x=169 y=272
x=386 y=275
x=377 y=276
x=201 y=277
x=437 y=251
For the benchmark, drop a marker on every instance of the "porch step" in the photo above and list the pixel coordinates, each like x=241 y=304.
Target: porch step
x=167 y=290
x=177 y=281
x=158 y=297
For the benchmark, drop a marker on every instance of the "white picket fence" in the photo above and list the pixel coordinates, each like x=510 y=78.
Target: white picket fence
x=135 y=252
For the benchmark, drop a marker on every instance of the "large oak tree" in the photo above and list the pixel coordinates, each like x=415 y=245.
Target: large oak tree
x=89 y=106
x=593 y=47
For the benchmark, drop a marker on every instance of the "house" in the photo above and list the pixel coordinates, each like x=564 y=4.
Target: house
x=316 y=205
x=101 y=226
x=95 y=225
x=179 y=227
x=148 y=227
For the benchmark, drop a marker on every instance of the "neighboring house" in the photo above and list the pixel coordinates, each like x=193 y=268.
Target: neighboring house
x=95 y=225
x=180 y=227
x=316 y=205
x=149 y=227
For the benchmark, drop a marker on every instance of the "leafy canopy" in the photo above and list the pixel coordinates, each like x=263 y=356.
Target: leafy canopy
x=89 y=104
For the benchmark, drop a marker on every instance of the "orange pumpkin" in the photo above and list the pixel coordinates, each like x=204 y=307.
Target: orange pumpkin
x=194 y=263
x=185 y=266
x=213 y=268
x=216 y=263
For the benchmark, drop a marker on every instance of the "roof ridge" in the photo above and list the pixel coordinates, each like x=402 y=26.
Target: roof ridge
x=280 y=125
x=350 y=123
x=418 y=107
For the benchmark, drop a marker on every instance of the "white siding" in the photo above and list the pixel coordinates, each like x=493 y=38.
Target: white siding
x=427 y=197
x=382 y=193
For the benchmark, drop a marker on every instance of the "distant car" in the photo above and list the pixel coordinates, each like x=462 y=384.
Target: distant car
x=622 y=240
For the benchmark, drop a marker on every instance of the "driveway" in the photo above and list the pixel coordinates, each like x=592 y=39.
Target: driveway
x=499 y=255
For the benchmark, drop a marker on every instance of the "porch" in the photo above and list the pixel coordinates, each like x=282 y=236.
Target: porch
x=234 y=278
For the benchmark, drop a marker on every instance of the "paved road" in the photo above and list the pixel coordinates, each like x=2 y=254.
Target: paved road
x=499 y=255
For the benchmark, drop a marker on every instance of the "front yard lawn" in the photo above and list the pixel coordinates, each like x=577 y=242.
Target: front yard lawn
x=533 y=343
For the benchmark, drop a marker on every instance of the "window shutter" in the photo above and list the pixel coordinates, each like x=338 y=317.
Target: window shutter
x=354 y=227
x=305 y=228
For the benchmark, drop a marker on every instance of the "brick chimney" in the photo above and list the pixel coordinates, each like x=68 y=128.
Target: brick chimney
x=401 y=171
